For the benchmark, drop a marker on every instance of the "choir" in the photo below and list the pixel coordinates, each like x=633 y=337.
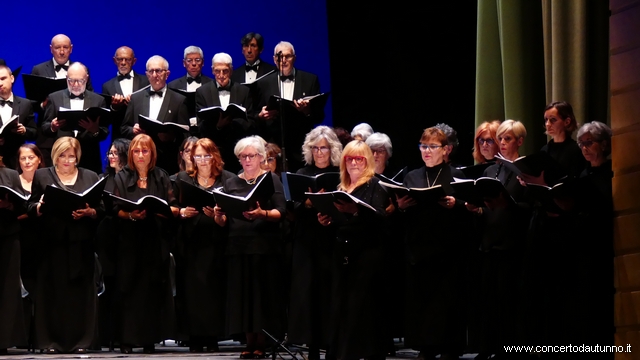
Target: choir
x=518 y=258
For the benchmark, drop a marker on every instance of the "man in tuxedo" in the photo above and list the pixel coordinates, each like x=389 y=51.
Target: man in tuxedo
x=299 y=116
x=193 y=61
x=225 y=131
x=122 y=86
x=158 y=103
x=77 y=97
x=254 y=67
x=61 y=48
x=14 y=135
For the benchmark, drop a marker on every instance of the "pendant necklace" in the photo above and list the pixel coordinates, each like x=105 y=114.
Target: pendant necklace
x=434 y=181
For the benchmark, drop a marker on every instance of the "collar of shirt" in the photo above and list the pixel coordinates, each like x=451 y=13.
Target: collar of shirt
x=257 y=62
x=130 y=73
x=164 y=90
x=68 y=63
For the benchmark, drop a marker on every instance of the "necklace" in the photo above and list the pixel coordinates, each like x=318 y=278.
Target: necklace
x=251 y=181
x=143 y=178
x=205 y=179
x=434 y=180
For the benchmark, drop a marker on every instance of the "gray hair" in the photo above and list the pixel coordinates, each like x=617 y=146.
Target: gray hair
x=284 y=44
x=599 y=131
x=452 y=135
x=193 y=50
x=363 y=130
x=222 y=58
x=165 y=63
x=378 y=140
x=315 y=136
x=255 y=142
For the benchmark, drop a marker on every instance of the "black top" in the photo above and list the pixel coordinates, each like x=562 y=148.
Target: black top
x=9 y=218
x=568 y=155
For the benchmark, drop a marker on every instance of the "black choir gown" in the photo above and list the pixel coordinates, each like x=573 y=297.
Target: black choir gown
x=201 y=269
x=65 y=297
x=12 y=326
x=358 y=302
x=143 y=290
x=435 y=311
x=310 y=298
x=255 y=298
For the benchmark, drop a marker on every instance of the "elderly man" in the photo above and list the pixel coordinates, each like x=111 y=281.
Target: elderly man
x=224 y=131
x=10 y=105
x=77 y=97
x=299 y=118
x=122 y=86
x=254 y=67
x=193 y=62
x=61 y=48
x=159 y=104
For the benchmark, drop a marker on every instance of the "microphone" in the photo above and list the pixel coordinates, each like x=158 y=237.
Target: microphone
x=279 y=54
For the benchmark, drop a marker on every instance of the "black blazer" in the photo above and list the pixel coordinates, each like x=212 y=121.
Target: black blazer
x=12 y=141
x=8 y=218
x=181 y=82
x=46 y=69
x=112 y=87
x=239 y=74
x=91 y=157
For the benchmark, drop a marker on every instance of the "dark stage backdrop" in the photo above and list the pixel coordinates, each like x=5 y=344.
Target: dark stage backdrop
x=98 y=28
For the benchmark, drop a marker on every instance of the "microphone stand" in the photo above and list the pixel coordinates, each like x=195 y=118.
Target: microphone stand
x=281 y=105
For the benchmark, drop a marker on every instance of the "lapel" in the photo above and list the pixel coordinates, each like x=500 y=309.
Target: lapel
x=215 y=96
x=17 y=103
x=136 y=81
x=50 y=70
x=66 y=100
x=145 y=104
x=164 y=108
x=261 y=68
x=233 y=98
x=118 y=87
x=298 y=86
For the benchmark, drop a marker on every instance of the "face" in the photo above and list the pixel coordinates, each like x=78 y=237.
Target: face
x=28 y=160
x=124 y=60
x=193 y=63
x=77 y=80
x=66 y=162
x=271 y=163
x=356 y=164
x=250 y=160
x=113 y=157
x=186 y=154
x=157 y=74
x=251 y=51
x=6 y=83
x=61 y=48
x=380 y=156
x=486 y=144
x=591 y=149
x=432 y=152
x=554 y=124
x=509 y=144
x=141 y=156
x=321 y=152
x=203 y=159
x=287 y=59
x=222 y=73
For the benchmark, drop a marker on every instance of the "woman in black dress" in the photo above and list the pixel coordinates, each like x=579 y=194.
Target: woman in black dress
x=486 y=144
x=66 y=294
x=310 y=300
x=12 y=327
x=358 y=301
x=202 y=245
x=144 y=298
x=255 y=299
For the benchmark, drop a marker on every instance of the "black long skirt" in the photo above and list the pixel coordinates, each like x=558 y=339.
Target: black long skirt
x=12 y=325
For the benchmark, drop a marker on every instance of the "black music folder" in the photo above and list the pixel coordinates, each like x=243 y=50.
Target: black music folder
x=152 y=204
x=73 y=117
x=65 y=201
x=153 y=126
x=38 y=88
x=234 y=205
x=298 y=184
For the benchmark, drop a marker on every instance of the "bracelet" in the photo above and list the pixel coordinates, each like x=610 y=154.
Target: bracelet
x=131 y=218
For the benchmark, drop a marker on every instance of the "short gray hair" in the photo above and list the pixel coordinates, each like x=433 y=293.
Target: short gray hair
x=378 y=140
x=255 y=142
x=165 y=63
x=599 y=131
x=284 y=44
x=363 y=130
x=193 y=50
x=222 y=58
x=315 y=136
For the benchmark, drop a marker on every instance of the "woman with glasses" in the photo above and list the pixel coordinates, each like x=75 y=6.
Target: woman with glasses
x=117 y=158
x=65 y=296
x=185 y=162
x=144 y=305
x=358 y=327
x=486 y=147
x=274 y=159
x=201 y=255
x=435 y=306
x=310 y=305
x=254 y=258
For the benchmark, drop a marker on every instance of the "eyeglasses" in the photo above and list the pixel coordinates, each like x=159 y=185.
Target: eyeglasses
x=221 y=71
x=286 y=57
x=127 y=60
x=144 y=152
x=202 y=157
x=187 y=151
x=425 y=147
x=271 y=159
x=112 y=153
x=76 y=81
x=322 y=149
x=69 y=159
x=247 y=156
x=379 y=151
x=586 y=143
x=196 y=60
x=482 y=141
x=156 y=71
x=358 y=159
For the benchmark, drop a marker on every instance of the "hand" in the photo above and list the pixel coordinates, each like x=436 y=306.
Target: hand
x=219 y=216
x=448 y=202
x=119 y=101
x=188 y=212
x=346 y=207
x=324 y=220
x=473 y=208
x=390 y=209
x=302 y=106
x=90 y=125
x=525 y=179
x=405 y=202
x=20 y=129
x=268 y=114
x=255 y=213
x=166 y=137
x=40 y=202
x=223 y=121
x=137 y=129
x=209 y=211
x=57 y=124
x=87 y=211
x=138 y=214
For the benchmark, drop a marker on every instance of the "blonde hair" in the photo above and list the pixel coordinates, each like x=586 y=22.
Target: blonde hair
x=356 y=148
x=63 y=144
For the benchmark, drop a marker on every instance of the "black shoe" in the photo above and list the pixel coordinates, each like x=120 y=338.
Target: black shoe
x=4 y=352
x=213 y=347
x=126 y=349
x=449 y=356
x=195 y=348
x=149 y=349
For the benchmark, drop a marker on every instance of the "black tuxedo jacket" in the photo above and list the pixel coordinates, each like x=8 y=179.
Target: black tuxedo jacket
x=206 y=96
x=12 y=141
x=173 y=110
x=181 y=82
x=91 y=156
x=240 y=72
x=112 y=87
x=46 y=69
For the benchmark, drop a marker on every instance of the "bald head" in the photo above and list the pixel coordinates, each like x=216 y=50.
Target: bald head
x=61 y=48
x=124 y=59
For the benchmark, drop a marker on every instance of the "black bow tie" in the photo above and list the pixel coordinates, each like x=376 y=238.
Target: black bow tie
x=196 y=79
x=6 y=102
x=122 y=77
x=74 y=96
x=286 y=77
x=159 y=93
x=58 y=67
x=248 y=68
x=224 y=88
